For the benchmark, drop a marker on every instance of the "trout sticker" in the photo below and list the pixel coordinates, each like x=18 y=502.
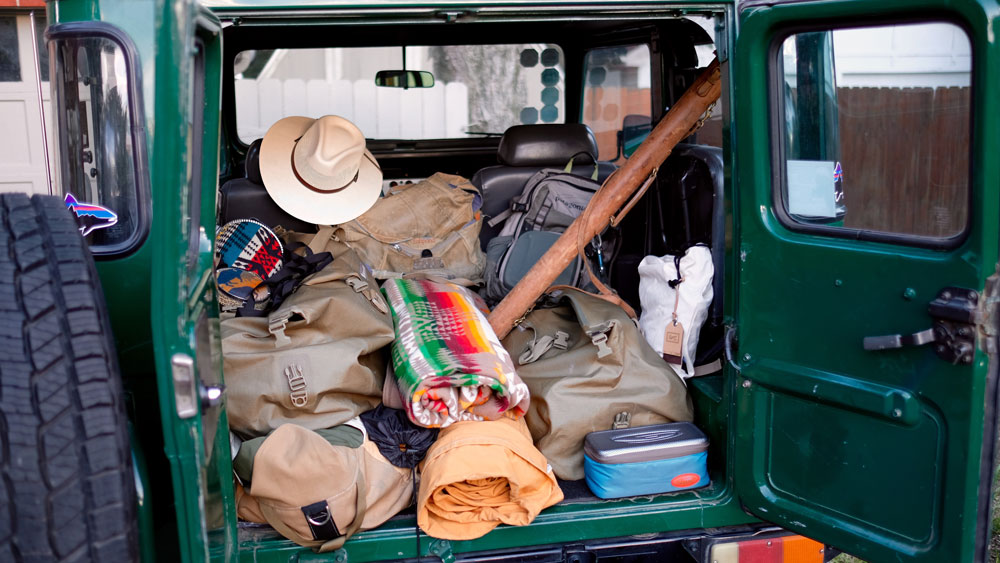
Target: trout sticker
x=89 y=216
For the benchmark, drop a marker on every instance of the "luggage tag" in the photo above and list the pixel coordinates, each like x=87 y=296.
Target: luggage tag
x=673 y=334
x=673 y=340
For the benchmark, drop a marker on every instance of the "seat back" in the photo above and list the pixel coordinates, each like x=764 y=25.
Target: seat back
x=246 y=198
x=523 y=151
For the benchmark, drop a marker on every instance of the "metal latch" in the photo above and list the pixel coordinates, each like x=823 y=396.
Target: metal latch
x=954 y=311
x=190 y=395
x=186 y=397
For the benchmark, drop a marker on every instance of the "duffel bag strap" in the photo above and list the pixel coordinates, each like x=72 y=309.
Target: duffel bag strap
x=359 y=511
x=276 y=324
x=540 y=345
x=318 y=242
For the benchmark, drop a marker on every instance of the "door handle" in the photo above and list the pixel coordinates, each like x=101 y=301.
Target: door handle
x=890 y=341
x=954 y=311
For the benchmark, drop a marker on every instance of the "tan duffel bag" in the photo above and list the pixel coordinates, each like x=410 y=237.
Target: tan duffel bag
x=430 y=227
x=589 y=368
x=316 y=360
x=318 y=488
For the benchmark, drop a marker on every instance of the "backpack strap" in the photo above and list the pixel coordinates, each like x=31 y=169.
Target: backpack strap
x=569 y=165
x=500 y=217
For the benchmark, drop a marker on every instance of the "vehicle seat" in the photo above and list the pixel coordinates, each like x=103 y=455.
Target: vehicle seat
x=523 y=151
x=684 y=207
x=246 y=198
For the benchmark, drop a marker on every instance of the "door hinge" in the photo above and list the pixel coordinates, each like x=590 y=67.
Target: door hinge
x=987 y=319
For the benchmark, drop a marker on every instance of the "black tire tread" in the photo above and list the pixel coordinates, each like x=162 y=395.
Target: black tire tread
x=67 y=489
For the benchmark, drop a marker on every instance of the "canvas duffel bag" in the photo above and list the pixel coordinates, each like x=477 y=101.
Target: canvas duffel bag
x=430 y=227
x=588 y=368
x=317 y=360
x=317 y=488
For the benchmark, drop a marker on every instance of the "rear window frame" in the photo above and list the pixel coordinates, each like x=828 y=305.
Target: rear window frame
x=392 y=143
x=137 y=130
x=776 y=108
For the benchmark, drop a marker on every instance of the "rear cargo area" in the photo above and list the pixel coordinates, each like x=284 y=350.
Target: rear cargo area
x=614 y=72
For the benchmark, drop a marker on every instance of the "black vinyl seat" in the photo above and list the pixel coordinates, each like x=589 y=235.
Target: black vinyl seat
x=523 y=151
x=246 y=198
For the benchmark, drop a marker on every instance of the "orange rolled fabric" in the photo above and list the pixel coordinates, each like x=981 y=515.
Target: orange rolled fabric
x=478 y=475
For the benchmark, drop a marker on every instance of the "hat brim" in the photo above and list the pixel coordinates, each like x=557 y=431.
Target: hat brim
x=302 y=202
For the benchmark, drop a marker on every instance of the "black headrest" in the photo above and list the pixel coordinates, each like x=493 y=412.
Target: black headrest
x=546 y=145
x=252 y=166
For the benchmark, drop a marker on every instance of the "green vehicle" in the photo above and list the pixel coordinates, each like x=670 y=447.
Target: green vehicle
x=848 y=183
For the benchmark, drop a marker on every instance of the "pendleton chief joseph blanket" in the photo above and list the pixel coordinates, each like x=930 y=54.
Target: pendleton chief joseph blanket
x=449 y=364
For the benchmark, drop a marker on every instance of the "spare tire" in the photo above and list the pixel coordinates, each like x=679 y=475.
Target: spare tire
x=68 y=493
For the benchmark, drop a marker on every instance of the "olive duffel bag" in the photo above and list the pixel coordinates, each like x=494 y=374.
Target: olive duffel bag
x=317 y=359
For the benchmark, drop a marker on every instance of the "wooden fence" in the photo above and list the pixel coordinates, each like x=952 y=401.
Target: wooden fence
x=905 y=157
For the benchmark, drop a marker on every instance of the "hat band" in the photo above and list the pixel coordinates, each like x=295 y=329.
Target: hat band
x=314 y=188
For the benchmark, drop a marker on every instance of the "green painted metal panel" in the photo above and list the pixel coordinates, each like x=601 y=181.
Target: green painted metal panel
x=708 y=508
x=222 y=6
x=156 y=295
x=877 y=453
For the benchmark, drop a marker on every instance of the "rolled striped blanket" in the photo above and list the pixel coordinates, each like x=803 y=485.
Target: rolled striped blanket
x=449 y=365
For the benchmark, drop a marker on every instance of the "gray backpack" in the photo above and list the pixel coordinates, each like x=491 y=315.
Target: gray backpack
x=549 y=202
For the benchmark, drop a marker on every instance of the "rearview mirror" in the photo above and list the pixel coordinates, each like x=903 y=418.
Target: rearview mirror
x=635 y=129
x=404 y=79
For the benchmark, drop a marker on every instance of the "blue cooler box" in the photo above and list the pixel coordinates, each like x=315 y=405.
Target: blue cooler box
x=646 y=460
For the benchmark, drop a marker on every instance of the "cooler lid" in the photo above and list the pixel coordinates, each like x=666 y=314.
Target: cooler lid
x=645 y=443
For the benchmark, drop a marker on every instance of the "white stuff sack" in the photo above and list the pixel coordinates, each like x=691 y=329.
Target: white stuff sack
x=657 y=298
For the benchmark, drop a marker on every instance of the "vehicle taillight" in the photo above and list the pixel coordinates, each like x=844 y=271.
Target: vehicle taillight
x=786 y=549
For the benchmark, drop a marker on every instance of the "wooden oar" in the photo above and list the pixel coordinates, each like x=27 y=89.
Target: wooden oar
x=674 y=126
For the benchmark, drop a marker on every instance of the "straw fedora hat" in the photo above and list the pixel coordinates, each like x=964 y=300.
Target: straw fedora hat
x=318 y=170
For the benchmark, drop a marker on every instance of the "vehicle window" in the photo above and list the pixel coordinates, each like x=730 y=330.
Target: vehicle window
x=876 y=129
x=195 y=127
x=616 y=93
x=478 y=89
x=10 y=63
x=96 y=145
x=43 y=53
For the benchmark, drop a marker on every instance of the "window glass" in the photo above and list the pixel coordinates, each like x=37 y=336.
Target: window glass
x=43 y=53
x=478 y=89
x=876 y=128
x=96 y=163
x=616 y=94
x=10 y=64
x=195 y=132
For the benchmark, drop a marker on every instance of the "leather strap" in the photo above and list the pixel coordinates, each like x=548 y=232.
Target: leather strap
x=606 y=293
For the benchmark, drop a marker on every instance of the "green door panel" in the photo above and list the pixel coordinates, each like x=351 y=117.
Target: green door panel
x=161 y=298
x=881 y=454
x=184 y=315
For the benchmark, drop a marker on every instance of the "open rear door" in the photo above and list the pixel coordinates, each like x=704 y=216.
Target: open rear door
x=866 y=246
